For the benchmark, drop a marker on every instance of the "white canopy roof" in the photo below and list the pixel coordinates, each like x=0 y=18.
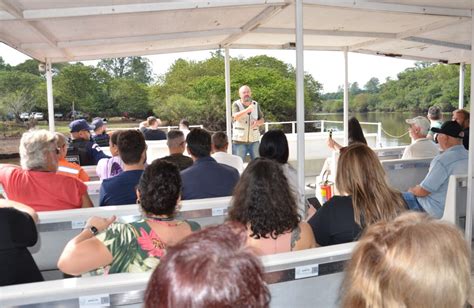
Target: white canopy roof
x=64 y=30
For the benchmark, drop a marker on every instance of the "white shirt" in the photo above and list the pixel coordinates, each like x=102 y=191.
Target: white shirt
x=229 y=160
x=421 y=148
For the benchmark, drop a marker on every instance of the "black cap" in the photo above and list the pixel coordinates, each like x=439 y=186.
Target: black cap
x=450 y=128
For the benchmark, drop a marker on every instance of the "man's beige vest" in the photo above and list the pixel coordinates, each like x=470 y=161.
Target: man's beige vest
x=242 y=131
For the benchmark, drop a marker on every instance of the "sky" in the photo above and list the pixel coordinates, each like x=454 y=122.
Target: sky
x=327 y=67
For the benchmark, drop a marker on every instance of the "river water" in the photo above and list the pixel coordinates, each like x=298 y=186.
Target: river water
x=393 y=123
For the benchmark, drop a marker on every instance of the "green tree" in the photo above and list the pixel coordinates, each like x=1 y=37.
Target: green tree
x=83 y=87
x=20 y=92
x=372 y=86
x=135 y=68
x=130 y=96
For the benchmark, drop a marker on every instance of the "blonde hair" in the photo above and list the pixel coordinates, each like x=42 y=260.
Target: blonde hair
x=34 y=145
x=413 y=261
x=360 y=175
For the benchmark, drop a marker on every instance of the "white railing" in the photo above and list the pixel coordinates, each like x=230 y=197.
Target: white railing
x=166 y=128
x=321 y=124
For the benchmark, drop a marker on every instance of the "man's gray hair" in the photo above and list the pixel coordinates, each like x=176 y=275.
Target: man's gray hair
x=175 y=138
x=34 y=145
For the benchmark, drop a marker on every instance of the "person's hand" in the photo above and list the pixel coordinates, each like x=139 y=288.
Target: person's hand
x=255 y=124
x=100 y=223
x=331 y=144
x=249 y=108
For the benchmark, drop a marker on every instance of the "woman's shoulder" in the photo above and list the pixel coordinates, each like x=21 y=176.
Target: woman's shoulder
x=302 y=237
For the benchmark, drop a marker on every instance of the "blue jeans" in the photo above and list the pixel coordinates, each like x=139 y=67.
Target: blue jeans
x=241 y=149
x=412 y=202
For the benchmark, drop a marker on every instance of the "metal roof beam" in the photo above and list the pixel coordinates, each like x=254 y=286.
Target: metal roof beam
x=147 y=52
x=327 y=33
x=142 y=8
x=14 y=9
x=368 y=5
x=438 y=43
x=136 y=39
x=252 y=24
x=410 y=33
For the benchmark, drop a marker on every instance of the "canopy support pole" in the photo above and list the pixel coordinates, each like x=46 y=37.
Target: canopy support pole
x=49 y=93
x=346 y=98
x=470 y=191
x=228 y=114
x=300 y=94
x=461 y=85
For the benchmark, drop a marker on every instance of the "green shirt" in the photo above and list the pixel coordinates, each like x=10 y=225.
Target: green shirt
x=135 y=247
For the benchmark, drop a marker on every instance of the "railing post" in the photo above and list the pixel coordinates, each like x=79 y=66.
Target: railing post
x=266 y=127
x=379 y=134
x=322 y=126
x=293 y=127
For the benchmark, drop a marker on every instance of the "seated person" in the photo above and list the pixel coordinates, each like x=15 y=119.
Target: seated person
x=100 y=135
x=132 y=247
x=36 y=183
x=412 y=261
x=176 y=146
x=120 y=189
x=220 y=144
x=184 y=127
x=17 y=232
x=430 y=195
x=225 y=273
x=151 y=130
x=81 y=149
x=274 y=145
x=110 y=167
x=366 y=198
x=264 y=202
x=435 y=116
x=206 y=178
x=421 y=146
x=65 y=167
x=355 y=134
x=462 y=117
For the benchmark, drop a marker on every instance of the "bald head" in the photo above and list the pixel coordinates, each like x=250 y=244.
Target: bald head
x=245 y=93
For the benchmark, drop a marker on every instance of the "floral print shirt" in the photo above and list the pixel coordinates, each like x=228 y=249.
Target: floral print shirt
x=135 y=247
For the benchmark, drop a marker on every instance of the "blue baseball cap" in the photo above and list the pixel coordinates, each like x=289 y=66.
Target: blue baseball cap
x=78 y=125
x=98 y=122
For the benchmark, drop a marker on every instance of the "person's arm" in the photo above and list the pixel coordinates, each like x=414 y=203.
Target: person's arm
x=86 y=200
x=20 y=207
x=85 y=252
x=333 y=144
x=238 y=114
x=419 y=191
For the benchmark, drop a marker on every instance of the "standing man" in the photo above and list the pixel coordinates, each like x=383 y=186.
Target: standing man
x=462 y=117
x=247 y=117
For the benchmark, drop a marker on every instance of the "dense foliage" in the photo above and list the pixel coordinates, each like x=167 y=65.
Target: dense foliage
x=416 y=89
x=195 y=90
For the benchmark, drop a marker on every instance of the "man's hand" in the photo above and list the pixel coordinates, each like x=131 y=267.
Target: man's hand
x=249 y=108
x=419 y=191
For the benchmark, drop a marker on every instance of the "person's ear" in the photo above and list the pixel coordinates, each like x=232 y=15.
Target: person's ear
x=138 y=195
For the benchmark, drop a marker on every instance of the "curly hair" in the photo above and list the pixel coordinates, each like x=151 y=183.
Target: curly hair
x=210 y=268
x=263 y=199
x=160 y=188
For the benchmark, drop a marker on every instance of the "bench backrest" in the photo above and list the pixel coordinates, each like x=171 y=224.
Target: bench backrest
x=308 y=278
x=56 y=228
x=390 y=152
x=456 y=201
x=405 y=173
